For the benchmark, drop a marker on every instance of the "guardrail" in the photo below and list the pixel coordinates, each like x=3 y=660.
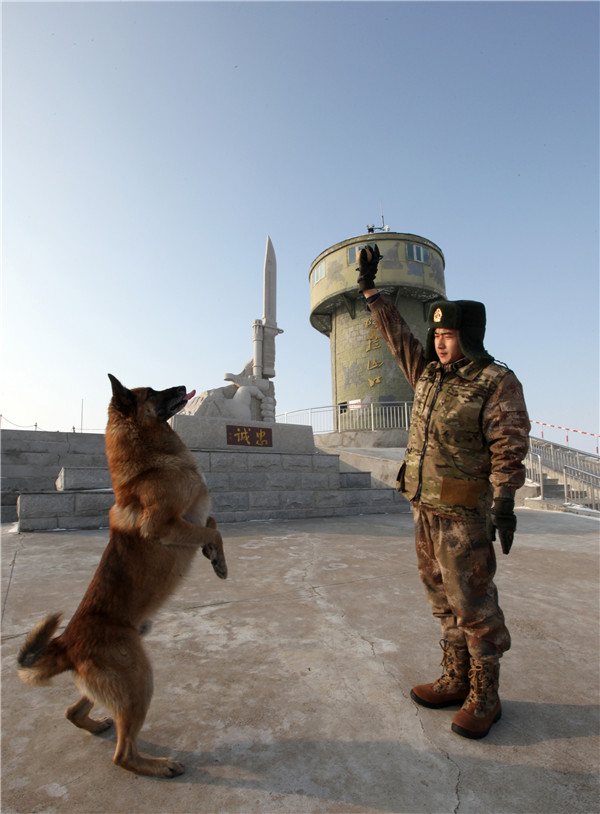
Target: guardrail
x=582 y=488
x=337 y=418
x=579 y=471
x=534 y=470
x=556 y=456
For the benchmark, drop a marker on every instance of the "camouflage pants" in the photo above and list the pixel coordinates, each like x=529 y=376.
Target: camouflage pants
x=457 y=563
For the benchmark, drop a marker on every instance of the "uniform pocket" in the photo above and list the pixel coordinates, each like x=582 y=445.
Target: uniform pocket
x=460 y=492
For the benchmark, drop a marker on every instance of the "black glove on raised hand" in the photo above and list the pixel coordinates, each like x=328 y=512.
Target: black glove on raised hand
x=505 y=521
x=368 y=259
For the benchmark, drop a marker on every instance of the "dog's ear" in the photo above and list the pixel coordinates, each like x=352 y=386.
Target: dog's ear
x=123 y=399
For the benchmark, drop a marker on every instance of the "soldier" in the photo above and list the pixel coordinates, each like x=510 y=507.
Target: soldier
x=468 y=436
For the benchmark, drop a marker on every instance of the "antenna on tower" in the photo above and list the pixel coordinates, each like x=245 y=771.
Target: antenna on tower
x=371 y=229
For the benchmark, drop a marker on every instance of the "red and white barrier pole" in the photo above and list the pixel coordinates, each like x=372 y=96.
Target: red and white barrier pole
x=567 y=430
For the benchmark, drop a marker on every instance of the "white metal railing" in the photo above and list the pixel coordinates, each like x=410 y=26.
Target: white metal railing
x=556 y=456
x=534 y=470
x=582 y=488
x=337 y=418
x=579 y=471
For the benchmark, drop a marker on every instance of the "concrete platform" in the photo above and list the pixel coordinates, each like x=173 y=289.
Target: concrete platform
x=286 y=688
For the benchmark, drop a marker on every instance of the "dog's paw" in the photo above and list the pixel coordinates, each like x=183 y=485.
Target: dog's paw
x=211 y=523
x=214 y=552
x=217 y=557
x=149 y=766
x=99 y=725
x=220 y=568
x=172 y=768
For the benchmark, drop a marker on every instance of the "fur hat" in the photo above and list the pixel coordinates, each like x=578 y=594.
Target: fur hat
x=465 y=316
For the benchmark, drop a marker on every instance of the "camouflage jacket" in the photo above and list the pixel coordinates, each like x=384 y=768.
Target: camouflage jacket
x=469 y=430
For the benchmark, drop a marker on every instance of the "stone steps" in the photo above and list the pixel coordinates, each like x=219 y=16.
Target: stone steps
x=381 y=464
x=31 y=461
x=554 y=491
x=577 y=502
x=244 y=486
x=47 y=511
x=553 y=488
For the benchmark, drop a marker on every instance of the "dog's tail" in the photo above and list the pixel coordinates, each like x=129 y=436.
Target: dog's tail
x=43 y=657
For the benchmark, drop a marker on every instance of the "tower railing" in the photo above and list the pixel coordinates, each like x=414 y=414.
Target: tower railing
x=341 y=417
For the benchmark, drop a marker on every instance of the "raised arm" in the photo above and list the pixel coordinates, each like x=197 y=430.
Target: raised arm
x=404 y=346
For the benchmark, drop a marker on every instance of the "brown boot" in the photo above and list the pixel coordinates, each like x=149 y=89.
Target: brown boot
x=482 y=707
x=453 y=685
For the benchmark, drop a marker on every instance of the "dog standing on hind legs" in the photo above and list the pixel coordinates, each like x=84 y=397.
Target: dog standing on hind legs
x=158 y=522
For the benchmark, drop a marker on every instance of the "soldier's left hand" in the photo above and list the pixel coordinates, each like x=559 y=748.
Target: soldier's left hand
x=504 y=521
x=368 y=260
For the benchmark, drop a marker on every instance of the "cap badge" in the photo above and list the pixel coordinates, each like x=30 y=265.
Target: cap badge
x=437 y=316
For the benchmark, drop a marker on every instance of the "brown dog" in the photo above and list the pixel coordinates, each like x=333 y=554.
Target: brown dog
x=159 y=520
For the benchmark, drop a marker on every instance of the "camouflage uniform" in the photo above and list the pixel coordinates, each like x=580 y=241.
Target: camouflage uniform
x=468 y=436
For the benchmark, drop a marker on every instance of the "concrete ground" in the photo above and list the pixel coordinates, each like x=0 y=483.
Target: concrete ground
x=286 y=688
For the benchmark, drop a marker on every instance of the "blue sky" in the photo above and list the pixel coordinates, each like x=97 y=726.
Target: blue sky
x=150 y=148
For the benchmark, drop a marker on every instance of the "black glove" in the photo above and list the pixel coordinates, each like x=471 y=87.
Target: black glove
x=368 y=259
x=505 y=521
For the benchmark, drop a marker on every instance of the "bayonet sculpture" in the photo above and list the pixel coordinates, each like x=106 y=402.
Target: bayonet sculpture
x=251 y=395
x=266 y=330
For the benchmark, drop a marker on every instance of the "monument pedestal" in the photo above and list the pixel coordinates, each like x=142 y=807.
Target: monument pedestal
x=260 y=471
x=201 y=432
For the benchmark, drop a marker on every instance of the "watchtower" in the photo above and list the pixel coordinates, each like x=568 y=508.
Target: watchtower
x=410 y=274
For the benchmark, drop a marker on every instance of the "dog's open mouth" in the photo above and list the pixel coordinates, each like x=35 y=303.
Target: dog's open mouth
x=180 y=400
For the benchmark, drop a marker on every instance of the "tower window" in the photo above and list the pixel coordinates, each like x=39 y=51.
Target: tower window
x=353 y=252
x=418 y=253
x=318 y=272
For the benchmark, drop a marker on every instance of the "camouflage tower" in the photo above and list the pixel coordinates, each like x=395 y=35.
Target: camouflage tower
x=410 y=274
